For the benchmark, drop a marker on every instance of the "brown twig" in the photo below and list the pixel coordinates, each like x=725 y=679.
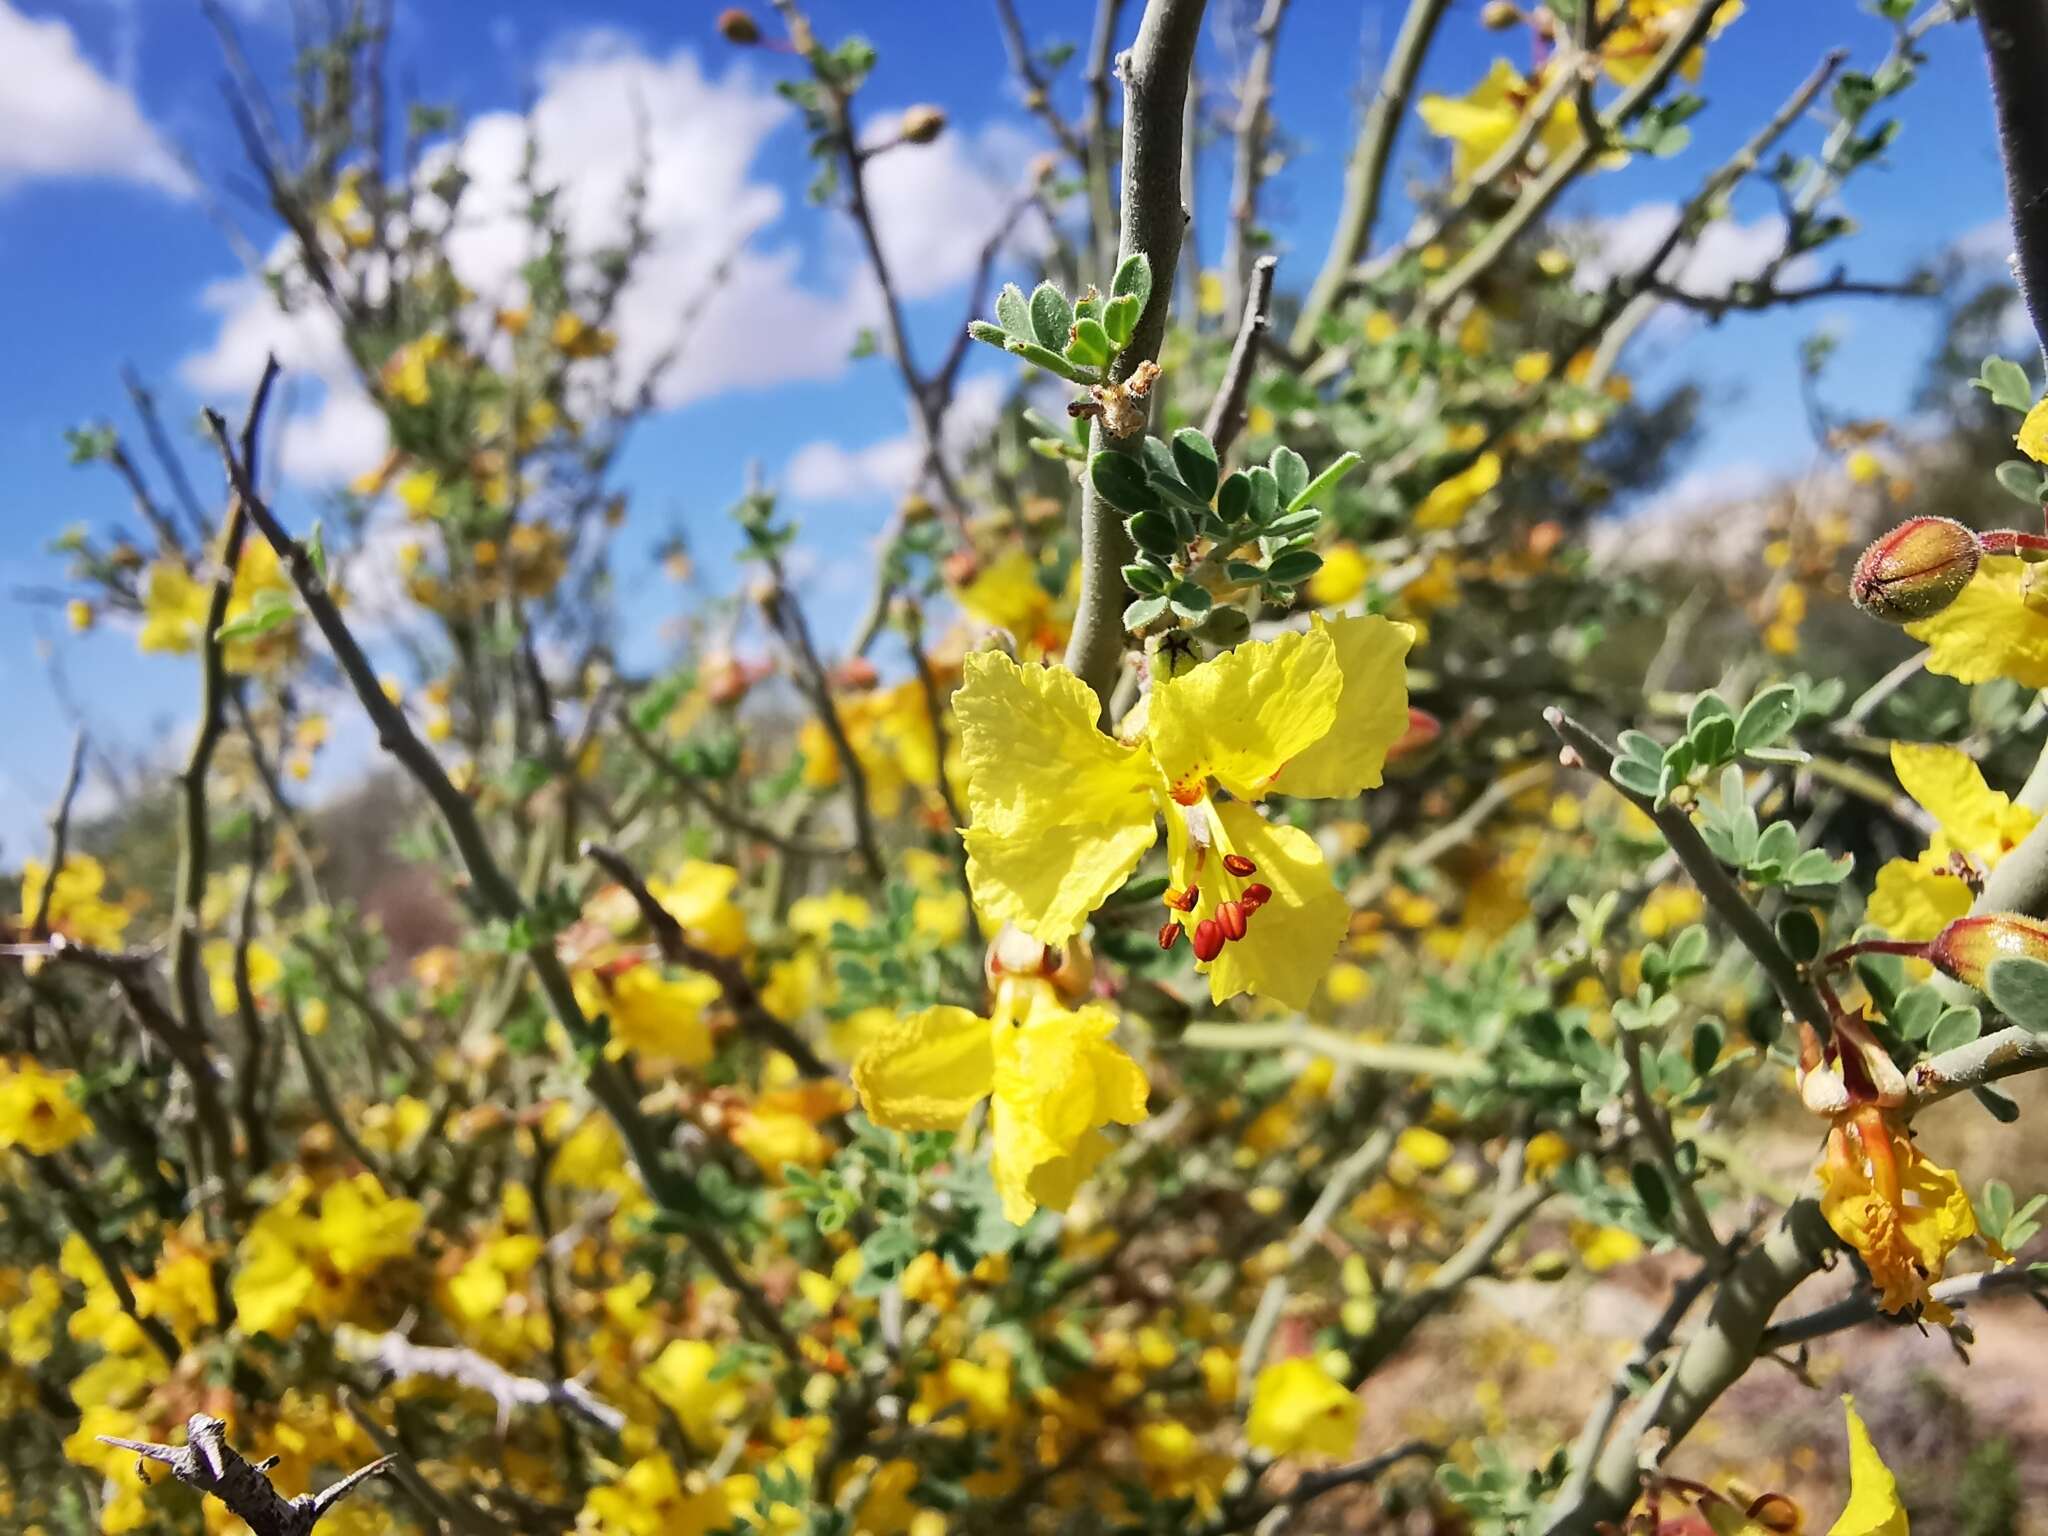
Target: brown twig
x=1227 y=410
x=207 y=1462
x=60 y=834
x=676 y=948
x=402 y=1360
x=608 y=1081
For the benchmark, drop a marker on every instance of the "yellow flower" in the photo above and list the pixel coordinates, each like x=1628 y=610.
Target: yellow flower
x=781 y=1126
x=1007 y=594
x=406 y=376
x=260 y=584
x=1917 y=898
x=1631 y=46
x=78 y=613
x=1177 y=1465
x=681 y=1376
x=1904 y=1214
x=1532 y=367
x=700 y=898
x=1603 y=1248
x=174 y=609
x=218 y=956
x=658 y=1014
x=1053 y=1077
x=360 y=1227
x=1446 y=505
x=1061 y=814
x=1873 y=1508
x=77 y=910
x=651 y=1500
x=574 y=336
x=1343 y=576
x=1990 y=630
x=1298 y=1407
x=1480 y=124
x=37 y=1112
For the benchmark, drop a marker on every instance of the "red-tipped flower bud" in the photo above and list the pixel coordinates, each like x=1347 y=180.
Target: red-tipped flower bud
x=736 y=26
x=1916 y=570
x=922 y=124
x=1967 y=946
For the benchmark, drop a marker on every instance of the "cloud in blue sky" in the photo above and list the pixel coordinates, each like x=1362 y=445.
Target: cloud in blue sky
x=720 y=266
x=61 y=117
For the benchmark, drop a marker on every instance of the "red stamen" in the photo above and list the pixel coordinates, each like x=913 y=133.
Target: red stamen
x=1182 y=901
x=1256 y=896
x=1208 y=939
x=1169 y=934
x=1231 y=915
x=1239 y=865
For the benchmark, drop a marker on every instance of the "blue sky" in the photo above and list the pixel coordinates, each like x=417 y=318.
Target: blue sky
x=107 y=257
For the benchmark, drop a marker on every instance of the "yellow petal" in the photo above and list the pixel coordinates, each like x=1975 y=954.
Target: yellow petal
x=1912 y=902
x=1874 y=1508
x=1949 y=787
x=926 y=1071
x=1059 y=813
x=2033 y=433
x=1239 y=718
x=1447 y=504
x=1372 y=712
x=1059 y=1078
x=1298 y=1406
x=1988 y=631
x=1289 y=941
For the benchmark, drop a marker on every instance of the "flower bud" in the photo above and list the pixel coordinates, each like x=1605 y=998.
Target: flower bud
x=1916 y=570
x=1966 y=947
x=739 y=28
x=922 y=124
x=1499 y=15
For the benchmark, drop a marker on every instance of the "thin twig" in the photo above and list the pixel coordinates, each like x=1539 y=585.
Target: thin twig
x=1227 y=410
x=60 y=835
x=677 y=949
x=207 y=1462
x=1795 y=991
x=1366 y=175
x=402 y=1360
x=608 y=1081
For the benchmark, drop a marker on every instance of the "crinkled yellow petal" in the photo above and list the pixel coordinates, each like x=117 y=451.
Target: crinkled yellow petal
x=1913 y=902
x=1372 y=712
x=1059 y=1078
x=2033 y=434
x=1988 y=631
x=926 y=1071
x=1873 y=1508
x=1290 y=941
x=1297 y=1407
x=1446 y=505
x=1949 y=786
x=1239 y=718
x=1059 y=813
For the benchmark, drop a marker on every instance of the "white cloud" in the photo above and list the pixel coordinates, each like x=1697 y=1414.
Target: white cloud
x=1726 y=252
x=708 y=207
x=828 y=471
x=936 y=205
x=60 y=116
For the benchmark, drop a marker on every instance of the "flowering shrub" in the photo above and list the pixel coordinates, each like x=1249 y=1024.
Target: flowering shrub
x=800 y=1091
